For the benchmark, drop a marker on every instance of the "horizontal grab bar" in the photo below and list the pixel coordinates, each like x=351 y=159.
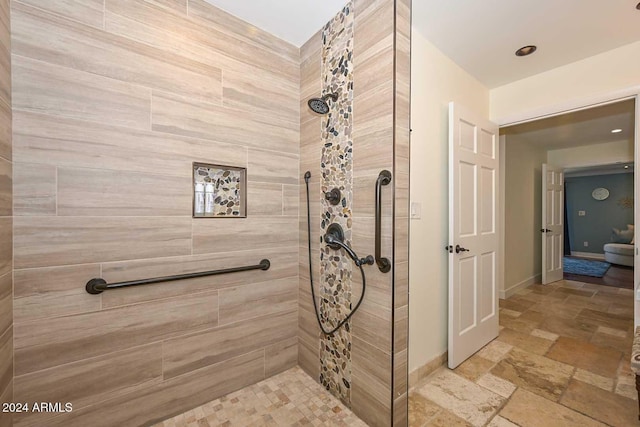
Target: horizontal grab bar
x=99 y=285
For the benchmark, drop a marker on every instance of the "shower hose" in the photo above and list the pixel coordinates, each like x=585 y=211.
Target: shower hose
x=307 y=177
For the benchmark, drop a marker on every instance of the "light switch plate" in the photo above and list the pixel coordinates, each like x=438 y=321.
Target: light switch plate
x=582 y=213
x=416 y=210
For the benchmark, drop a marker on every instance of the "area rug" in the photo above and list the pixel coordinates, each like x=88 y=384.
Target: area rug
x=585 y=267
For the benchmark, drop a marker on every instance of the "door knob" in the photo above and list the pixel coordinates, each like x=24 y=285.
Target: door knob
x=545 y=230
x=461 y=249
x=449 y=249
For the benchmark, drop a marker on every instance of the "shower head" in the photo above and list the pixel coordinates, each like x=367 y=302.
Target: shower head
x=320 y=105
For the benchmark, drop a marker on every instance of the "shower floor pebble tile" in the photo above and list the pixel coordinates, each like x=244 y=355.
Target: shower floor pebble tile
x=291 y=398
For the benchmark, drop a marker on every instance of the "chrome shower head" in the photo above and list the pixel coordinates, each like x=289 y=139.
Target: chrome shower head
x=320 y=105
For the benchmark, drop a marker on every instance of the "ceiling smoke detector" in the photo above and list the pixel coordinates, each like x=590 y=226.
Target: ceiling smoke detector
x=526 y=50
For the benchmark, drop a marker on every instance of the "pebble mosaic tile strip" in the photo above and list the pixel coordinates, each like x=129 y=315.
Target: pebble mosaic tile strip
x=336 y=167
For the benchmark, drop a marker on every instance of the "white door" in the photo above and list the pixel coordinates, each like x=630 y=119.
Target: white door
x=552 y=224
x=473 y=233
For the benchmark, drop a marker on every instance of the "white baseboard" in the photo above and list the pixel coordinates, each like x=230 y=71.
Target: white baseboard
x=587 y=255
x=518 y=286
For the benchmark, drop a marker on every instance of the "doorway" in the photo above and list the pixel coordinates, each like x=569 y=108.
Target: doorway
x=576 y=143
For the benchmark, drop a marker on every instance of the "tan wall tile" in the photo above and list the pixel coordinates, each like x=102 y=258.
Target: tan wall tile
x=50 y=241
x=255 y=89
x=401 y=410
x=237 y=28
x=6 y=249
x=291 y=200
x=401 y=283
x=401 y=329
x=179 y=6
x=65 y=142
x=196 y=351
x=87 y=49
x=271 y=166
x=47 y=343
x=264 y=198
x=6 y=355
x=372 y=365
x=400 y=373
x=281 y=356
x=169 y=398
x=283 y=264
x=86 y=192
x=5 y=52
x=225 y=235
x=34 y=189
x=6 y=418
x=5 y=129
x=53 y=291
x=364 y=193
x=111 y=171
x=180 y=116
x=60 y=91
x=6 y=188
x=92 y=380
x=309 y=358
x=6 y=303
x=260 y=299
x=89 y=12
x=196 y=37
x=370 y=400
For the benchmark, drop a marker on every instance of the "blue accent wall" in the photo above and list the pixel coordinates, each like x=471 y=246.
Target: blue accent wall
x=601 y=216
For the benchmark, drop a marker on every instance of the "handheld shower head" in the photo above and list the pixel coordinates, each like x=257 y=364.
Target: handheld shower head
x=320 y=105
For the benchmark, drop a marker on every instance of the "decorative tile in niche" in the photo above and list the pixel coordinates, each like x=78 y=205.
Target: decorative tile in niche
x=219 y=191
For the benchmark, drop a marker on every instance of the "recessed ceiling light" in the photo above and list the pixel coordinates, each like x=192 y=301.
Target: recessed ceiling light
x=616 y=131
x=526 y=50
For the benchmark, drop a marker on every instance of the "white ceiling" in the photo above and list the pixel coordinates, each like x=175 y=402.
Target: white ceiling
x=479 y=35
x=586 y=127
x=482 y=35
x=292 y=20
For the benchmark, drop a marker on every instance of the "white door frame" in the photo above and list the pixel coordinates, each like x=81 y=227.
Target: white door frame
x=567 y=107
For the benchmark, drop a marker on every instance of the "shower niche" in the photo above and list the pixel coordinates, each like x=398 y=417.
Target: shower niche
x=219 y=191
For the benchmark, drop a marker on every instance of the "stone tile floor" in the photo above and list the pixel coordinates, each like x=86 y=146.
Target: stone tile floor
x=291 y=398
x=561 y=359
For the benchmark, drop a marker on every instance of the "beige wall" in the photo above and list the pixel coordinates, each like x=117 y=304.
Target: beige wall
x=113 y=101
x=6 y=212
x=436 y=81
x=590 y=155
x=523 y=214
x=605 y=73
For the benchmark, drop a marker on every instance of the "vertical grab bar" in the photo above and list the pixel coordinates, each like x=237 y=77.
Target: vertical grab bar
x=384 y=178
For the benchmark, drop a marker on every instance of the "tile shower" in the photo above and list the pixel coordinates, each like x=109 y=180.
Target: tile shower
x=112 y=103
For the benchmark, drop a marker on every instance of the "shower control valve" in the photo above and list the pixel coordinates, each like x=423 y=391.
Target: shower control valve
x=333 y=196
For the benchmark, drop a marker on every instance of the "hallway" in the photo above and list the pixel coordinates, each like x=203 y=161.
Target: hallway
x=562 y=358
